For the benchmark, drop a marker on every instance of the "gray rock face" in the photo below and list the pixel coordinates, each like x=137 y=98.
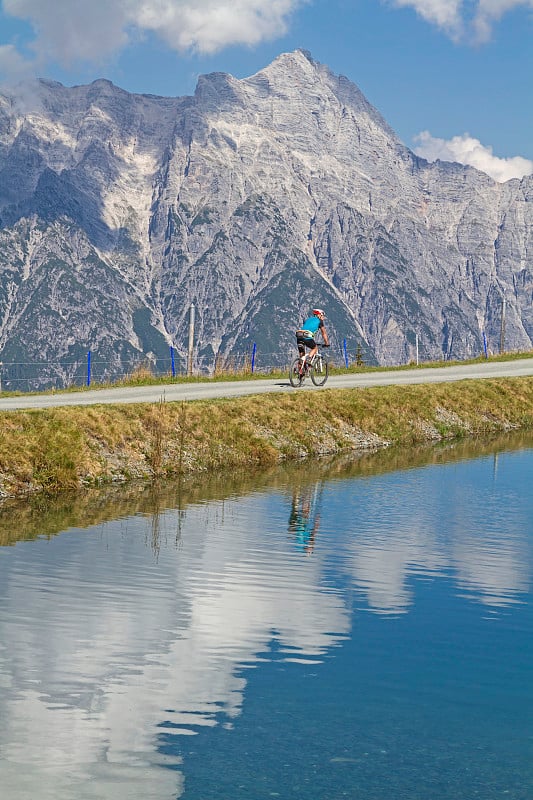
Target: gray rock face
x=255 y=200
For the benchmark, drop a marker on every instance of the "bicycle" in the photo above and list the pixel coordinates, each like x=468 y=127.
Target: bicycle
x=317 y=369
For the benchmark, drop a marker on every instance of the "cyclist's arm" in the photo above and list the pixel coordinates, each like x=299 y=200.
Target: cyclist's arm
x=324 y=335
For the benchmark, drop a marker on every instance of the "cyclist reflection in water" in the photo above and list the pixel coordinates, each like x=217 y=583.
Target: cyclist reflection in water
x=304 y=518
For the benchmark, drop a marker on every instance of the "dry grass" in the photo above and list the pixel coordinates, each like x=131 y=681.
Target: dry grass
x=57 y=449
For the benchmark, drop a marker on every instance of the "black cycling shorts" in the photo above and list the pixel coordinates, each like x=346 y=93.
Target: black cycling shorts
x=303 y=343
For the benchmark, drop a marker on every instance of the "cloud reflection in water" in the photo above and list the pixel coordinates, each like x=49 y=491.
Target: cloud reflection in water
x=116 y=636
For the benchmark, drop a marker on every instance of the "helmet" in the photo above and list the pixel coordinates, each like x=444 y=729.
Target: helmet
x=318 y=312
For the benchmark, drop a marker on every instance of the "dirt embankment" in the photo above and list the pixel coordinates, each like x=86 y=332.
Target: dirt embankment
x=66 y=448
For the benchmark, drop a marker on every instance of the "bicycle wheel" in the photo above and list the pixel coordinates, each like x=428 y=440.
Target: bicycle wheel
x=319 y=371
x=296 y=376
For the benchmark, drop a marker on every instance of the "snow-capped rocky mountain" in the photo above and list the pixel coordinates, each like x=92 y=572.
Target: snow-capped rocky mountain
x=254 y=200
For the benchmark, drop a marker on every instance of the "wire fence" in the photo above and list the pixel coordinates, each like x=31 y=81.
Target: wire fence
x=29 y=376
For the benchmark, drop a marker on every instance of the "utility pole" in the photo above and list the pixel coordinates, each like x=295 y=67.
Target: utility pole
x=502 y=326
x=191 y=340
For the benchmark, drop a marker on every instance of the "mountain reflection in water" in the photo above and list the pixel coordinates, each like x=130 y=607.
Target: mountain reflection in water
x=139 y=622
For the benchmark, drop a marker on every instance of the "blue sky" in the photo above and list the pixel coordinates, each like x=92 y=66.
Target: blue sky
x=435 y=69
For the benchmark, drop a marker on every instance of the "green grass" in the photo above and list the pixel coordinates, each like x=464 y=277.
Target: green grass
x=435 y=364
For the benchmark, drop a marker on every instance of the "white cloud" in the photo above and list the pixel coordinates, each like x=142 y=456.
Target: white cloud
x=467 y=150
x=13 y=65
x=73 y=30
x=210 y=25
x=69 y=31
x=490 y=11
x=445 y=14
x=463 y=19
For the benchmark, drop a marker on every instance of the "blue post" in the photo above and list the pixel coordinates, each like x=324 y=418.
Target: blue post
x=485 y=345
x=345 y=354
x=89 y=368
x=254 y=348
x=172 y=364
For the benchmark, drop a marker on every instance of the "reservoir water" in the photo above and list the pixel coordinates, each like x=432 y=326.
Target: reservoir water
x=335 y=630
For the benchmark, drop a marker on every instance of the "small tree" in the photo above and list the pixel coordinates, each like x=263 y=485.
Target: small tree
x=359 y=360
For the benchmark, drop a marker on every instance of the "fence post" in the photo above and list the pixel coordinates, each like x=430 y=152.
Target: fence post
x=416 y=345
x=172 y=364
x=191 y=340
x=485 y=345
x=345 y=354
x=89 y=368
x=254 y=348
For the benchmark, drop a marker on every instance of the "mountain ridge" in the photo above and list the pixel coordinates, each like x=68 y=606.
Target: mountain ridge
x=252 y=199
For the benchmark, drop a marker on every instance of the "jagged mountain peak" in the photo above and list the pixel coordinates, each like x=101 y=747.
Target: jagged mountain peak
x=307 y=107
x=294 y=61
x=299 y=71
x=251 y=199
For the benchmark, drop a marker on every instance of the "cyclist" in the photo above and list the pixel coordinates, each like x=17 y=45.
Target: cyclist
x=304 y=520
x=305 y=336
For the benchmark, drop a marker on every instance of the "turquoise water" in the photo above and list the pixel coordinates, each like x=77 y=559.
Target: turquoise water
x=361 y=636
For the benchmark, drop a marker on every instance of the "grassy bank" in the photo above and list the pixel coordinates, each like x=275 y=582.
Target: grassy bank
x=65 y=448
x=37 y=516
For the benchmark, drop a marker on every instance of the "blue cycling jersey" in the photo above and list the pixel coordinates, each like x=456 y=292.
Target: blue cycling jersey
x=312 y=324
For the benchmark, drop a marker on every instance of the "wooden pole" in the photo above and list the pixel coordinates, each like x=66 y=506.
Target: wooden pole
x=502 y=326
x=191 y=340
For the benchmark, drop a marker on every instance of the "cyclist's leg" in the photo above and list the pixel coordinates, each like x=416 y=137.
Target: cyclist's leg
x=301 y=354
x=313 y=349
x=296 y=373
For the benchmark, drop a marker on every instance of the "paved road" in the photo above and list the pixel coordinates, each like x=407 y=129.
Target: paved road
x=210 y=390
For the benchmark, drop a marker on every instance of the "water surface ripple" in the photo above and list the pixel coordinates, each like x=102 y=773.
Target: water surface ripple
x=328 y=631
